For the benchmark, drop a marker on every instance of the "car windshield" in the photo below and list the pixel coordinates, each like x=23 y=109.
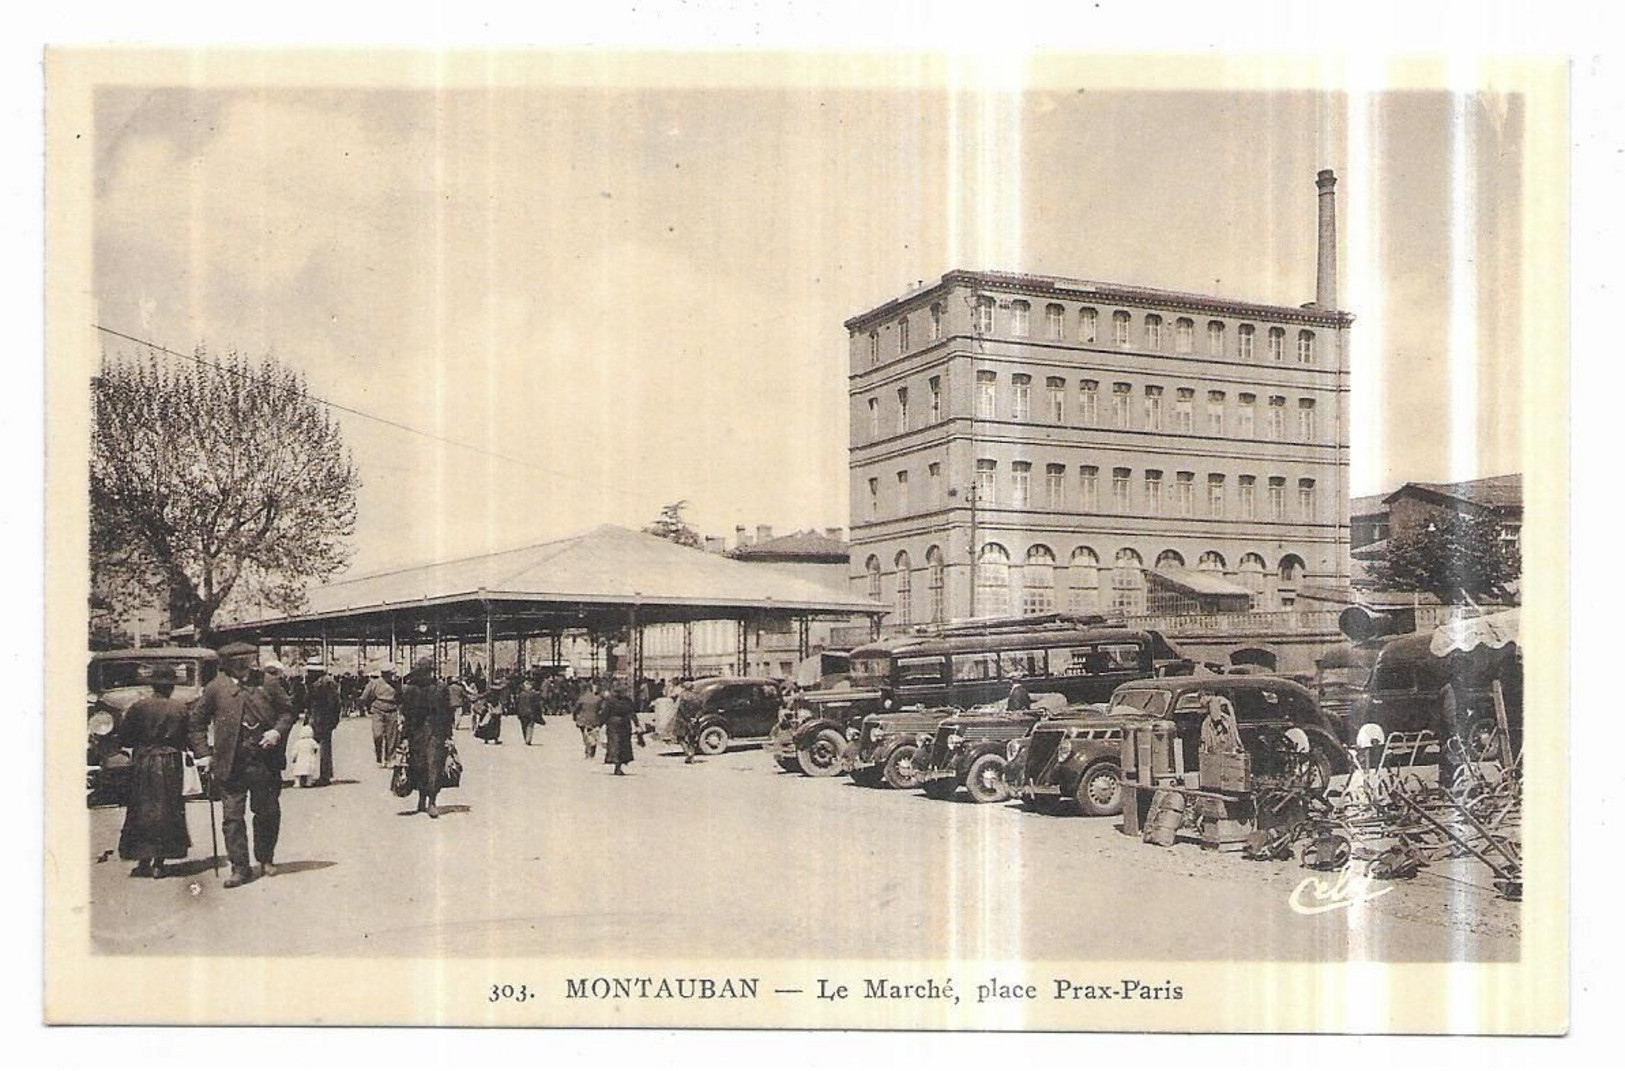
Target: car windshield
x=1143 y=702
x=125 y=673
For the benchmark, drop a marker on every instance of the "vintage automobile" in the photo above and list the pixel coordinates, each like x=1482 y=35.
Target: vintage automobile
x=115 y=680
x=963 y=665
x=1266 y=707
x=880 y=749
x=733 y=708
x=1073 y=757
x=969 y=749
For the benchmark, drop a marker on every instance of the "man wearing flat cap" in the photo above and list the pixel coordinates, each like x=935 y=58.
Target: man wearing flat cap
x=251 y=725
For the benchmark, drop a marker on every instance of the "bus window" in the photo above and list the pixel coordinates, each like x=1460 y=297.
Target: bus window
x=1069 y=661
x=1118 y=657
x=1026 y=663
x=918 y=671
x=981 y=666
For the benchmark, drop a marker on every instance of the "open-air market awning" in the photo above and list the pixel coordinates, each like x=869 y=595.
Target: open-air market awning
x=600 y=582
x=1490 y=630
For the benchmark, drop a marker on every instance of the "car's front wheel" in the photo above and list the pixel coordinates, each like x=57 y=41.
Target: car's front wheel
x=899 y=771
x=1100 y=790
x=821 y=756
x=713 y=740
x=985 y=779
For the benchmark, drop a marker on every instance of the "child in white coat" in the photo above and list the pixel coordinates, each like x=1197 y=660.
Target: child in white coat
x=304 y=756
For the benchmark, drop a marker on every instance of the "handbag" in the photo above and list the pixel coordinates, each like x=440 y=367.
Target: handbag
x=452 y=777
x=191 y=783
x=400 y=779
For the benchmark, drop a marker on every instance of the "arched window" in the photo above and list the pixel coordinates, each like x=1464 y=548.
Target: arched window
x=1083 y=581
x=1038 y=580
x=1170 y=559
x=1252 y=577
x=992 y=580
x=872 y=567
x=936 y=580
x=905 y=589
x=1128 y=582
x=1210 y=562
x=1290 y=576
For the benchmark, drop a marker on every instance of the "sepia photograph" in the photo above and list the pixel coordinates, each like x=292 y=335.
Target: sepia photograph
x=867 y=541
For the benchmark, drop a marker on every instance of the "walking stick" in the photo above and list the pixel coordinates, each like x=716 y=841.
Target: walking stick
x=214 y=837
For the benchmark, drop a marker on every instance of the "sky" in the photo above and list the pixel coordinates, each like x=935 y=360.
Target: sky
x=635 y=295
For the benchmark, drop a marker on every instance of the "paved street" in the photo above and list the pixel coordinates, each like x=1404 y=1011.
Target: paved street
x=543 y=854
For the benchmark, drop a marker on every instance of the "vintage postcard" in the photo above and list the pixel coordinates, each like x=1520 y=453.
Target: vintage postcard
x=567 y=538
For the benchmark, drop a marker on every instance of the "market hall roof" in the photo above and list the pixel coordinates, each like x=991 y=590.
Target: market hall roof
x=608 y=566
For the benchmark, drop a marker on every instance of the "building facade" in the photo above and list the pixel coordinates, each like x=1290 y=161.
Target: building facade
x=1024 y=443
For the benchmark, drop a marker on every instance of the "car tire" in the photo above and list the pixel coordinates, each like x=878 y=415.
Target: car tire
x=821 y=757
x=899 y=771
x=713 y=740
x=1100 y=790
x=984 y=779
x=943 y=788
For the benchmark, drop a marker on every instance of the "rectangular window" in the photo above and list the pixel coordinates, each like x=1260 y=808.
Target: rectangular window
x=1088 y=488
x=874 y=418
x=1215 y=412
x=1306 y=419
x=1054 y=322
x=1184 y=414
x=981 y=666
x=936 y=322
x=1215 y=495
x=1120 y=321
x=1277 y=498
x=1020 y=319
x=1153 y=409
x=933 y=473
x=1184 y=335
x=1247 y=487
x=1184 y=493
x=1056 y=388
x=1277 y=344
x=1120 y=498
x=984 y=315
x=1244 y=342
x=1088 y=325
x=987 y=471
x=874 y=497
x=1121 y=401
x=1306 y=499
x=1153 y=332
x=1055 y=486
x=1277 y=424
x=902 y=409
x=987 y=395
x=902 y=493
x=1245 y=408
x=902 y=336
x=1088 y=401
x=1306 y=347
x=1153 y=491
x=1021 y=478
x=936 y=399
x=1215 y=338
x=874 y=347
x=1021 y=392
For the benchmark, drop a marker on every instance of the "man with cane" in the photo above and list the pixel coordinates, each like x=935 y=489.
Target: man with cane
x=245 y=762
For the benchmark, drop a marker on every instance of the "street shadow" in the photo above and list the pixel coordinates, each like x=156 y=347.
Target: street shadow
x=454 y=808
x=339 y=781
x=186 y=868
x=299 y=866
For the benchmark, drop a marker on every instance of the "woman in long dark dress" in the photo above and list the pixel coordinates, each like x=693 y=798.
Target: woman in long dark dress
x=488 y=717
x=620 y=722
x=428 y=719
x=155 y=811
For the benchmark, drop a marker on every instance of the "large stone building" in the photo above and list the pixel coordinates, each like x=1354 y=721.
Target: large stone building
x=1021 y=443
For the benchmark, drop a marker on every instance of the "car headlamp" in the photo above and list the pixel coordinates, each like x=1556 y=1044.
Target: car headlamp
x=101 y=723
x=875 y=733
x=1063 y=749
x=955 y=739
x=852 y=733
x=1012 y=749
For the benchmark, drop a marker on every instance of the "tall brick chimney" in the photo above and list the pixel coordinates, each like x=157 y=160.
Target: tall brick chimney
x=1326 y=263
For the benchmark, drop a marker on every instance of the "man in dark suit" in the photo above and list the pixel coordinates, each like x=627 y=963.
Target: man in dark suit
x=251 y=724
x=324 y=718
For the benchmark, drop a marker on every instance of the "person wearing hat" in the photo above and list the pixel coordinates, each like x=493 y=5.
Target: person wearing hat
x=154 y=729
x=428 y=719
x=1019 y=699
x=323 y=715
x=620 y=722
x=251 y=725
x=382 y=703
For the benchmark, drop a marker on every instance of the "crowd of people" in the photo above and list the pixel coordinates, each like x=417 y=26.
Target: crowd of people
x=257 y=728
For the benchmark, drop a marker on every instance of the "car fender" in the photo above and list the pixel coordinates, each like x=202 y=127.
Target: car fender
x=1334 y=748
x=812 y=727
x=972 y=752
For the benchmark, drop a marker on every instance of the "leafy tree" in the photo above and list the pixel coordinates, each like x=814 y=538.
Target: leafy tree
x=208 y=484
x=670 y=525
x=1451 y=555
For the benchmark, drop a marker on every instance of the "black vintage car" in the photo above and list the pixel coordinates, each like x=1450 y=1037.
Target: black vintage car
x=880 y=750
x=969 y=750
x=1071 y=758
x=115 y=680
x=733 y=708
